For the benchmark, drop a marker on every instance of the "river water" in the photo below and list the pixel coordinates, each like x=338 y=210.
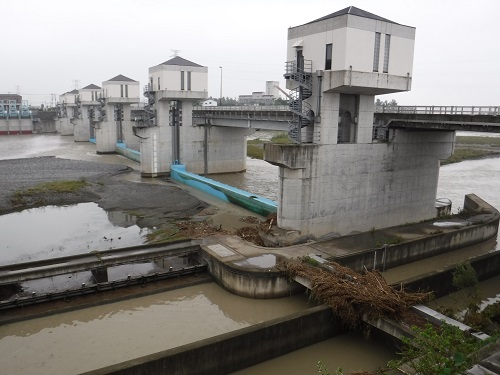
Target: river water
x=90 y=338
x=80 y=228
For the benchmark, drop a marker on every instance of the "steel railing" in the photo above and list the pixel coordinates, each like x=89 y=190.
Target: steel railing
x=441 y=110
x=244 y=108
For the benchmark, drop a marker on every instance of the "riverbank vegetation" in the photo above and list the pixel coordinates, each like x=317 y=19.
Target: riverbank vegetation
x=255 y=147
x=36 y=192
x=431 y=349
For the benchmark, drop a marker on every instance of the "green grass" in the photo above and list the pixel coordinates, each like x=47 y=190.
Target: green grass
x=478 y=141
x=49 y=187
x=281 y=138
x=255 y=151
x=467 y=154
x=54 y=187
x=255 y=147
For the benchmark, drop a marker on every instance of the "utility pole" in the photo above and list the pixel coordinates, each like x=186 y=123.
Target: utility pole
x=220 y=97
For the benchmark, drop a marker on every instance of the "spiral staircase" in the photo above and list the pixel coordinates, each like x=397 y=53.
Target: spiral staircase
x=299 y=72
x=149 y=110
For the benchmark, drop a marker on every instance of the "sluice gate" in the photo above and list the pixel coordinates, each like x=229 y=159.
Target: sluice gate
x=26 y=284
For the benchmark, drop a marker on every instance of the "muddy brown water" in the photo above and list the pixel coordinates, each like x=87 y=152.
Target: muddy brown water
x=57 y=231
x=87 y=339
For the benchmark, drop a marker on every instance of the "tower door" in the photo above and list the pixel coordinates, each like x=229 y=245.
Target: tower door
x=344 y=132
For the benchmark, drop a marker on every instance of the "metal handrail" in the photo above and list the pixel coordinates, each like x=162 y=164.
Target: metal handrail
x=292 y=67
x=441 y=110
x=243 y=108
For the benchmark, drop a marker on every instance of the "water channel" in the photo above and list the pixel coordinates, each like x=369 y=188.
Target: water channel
x=90 y=338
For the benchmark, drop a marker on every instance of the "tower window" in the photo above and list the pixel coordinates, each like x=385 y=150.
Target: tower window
x=189 y=81
x=182 y=80
x=386 y=52
x=328 y=57
x=376 y=53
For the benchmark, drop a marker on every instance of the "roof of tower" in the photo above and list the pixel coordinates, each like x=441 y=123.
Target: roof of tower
x=355 y=12
x=91 y=86
x=120 y=77
x=177 y=60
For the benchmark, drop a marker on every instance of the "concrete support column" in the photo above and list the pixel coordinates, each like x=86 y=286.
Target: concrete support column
x=366 y=110
x=81 y=128
x=340 y=188
x=65 y=126
x=105 y=133
x=329 y=118
x=225 y=152
x=149 y=148
x=129 y=138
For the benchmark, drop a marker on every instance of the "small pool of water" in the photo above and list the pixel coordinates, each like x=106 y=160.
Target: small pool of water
x=262 y=261
x=57 y=231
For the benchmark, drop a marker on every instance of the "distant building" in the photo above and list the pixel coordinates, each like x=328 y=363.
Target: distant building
x=7 y=97
x=257 y=98
x=13 y=105
x=272 y=88
x=261 y=98
x=209 y=103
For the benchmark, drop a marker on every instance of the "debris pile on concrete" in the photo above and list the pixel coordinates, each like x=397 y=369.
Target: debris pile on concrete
x=198 y=229
x=352 y=295
x=252 y=233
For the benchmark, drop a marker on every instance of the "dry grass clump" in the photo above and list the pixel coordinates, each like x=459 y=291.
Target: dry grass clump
x=198 y=229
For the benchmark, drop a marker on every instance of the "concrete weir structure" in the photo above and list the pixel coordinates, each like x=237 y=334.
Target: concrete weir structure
x=168 y=135
x=114 y=124
x=68 y=112
x=337 y=178
x=86 y=100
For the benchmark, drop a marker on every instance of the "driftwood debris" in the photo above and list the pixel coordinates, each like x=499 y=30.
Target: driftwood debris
x=352 y=295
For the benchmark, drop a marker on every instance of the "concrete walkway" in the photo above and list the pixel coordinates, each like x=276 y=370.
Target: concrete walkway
x=229 y=248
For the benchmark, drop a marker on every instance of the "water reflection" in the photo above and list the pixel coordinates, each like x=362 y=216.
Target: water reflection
x=262 y=261
x=56 y=231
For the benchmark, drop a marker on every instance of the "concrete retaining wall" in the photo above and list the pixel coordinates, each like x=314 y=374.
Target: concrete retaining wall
x=431 y=245
x=259 y=205
x=251 y=284
x=440 y=281
x=235 y=350
x=16 y=126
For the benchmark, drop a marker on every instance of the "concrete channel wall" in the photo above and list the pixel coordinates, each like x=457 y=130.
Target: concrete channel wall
x=251 y=283
x=123 y=150
x=440 y=282
x=235 y=350
x=428 y=246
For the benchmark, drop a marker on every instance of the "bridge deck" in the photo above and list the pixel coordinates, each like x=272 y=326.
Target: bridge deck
x=463 y=118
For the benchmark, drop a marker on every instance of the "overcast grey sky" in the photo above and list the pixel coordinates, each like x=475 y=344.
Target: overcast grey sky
x=47 y=45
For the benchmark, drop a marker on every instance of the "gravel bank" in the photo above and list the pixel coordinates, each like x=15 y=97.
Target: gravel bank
x=155 y=202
